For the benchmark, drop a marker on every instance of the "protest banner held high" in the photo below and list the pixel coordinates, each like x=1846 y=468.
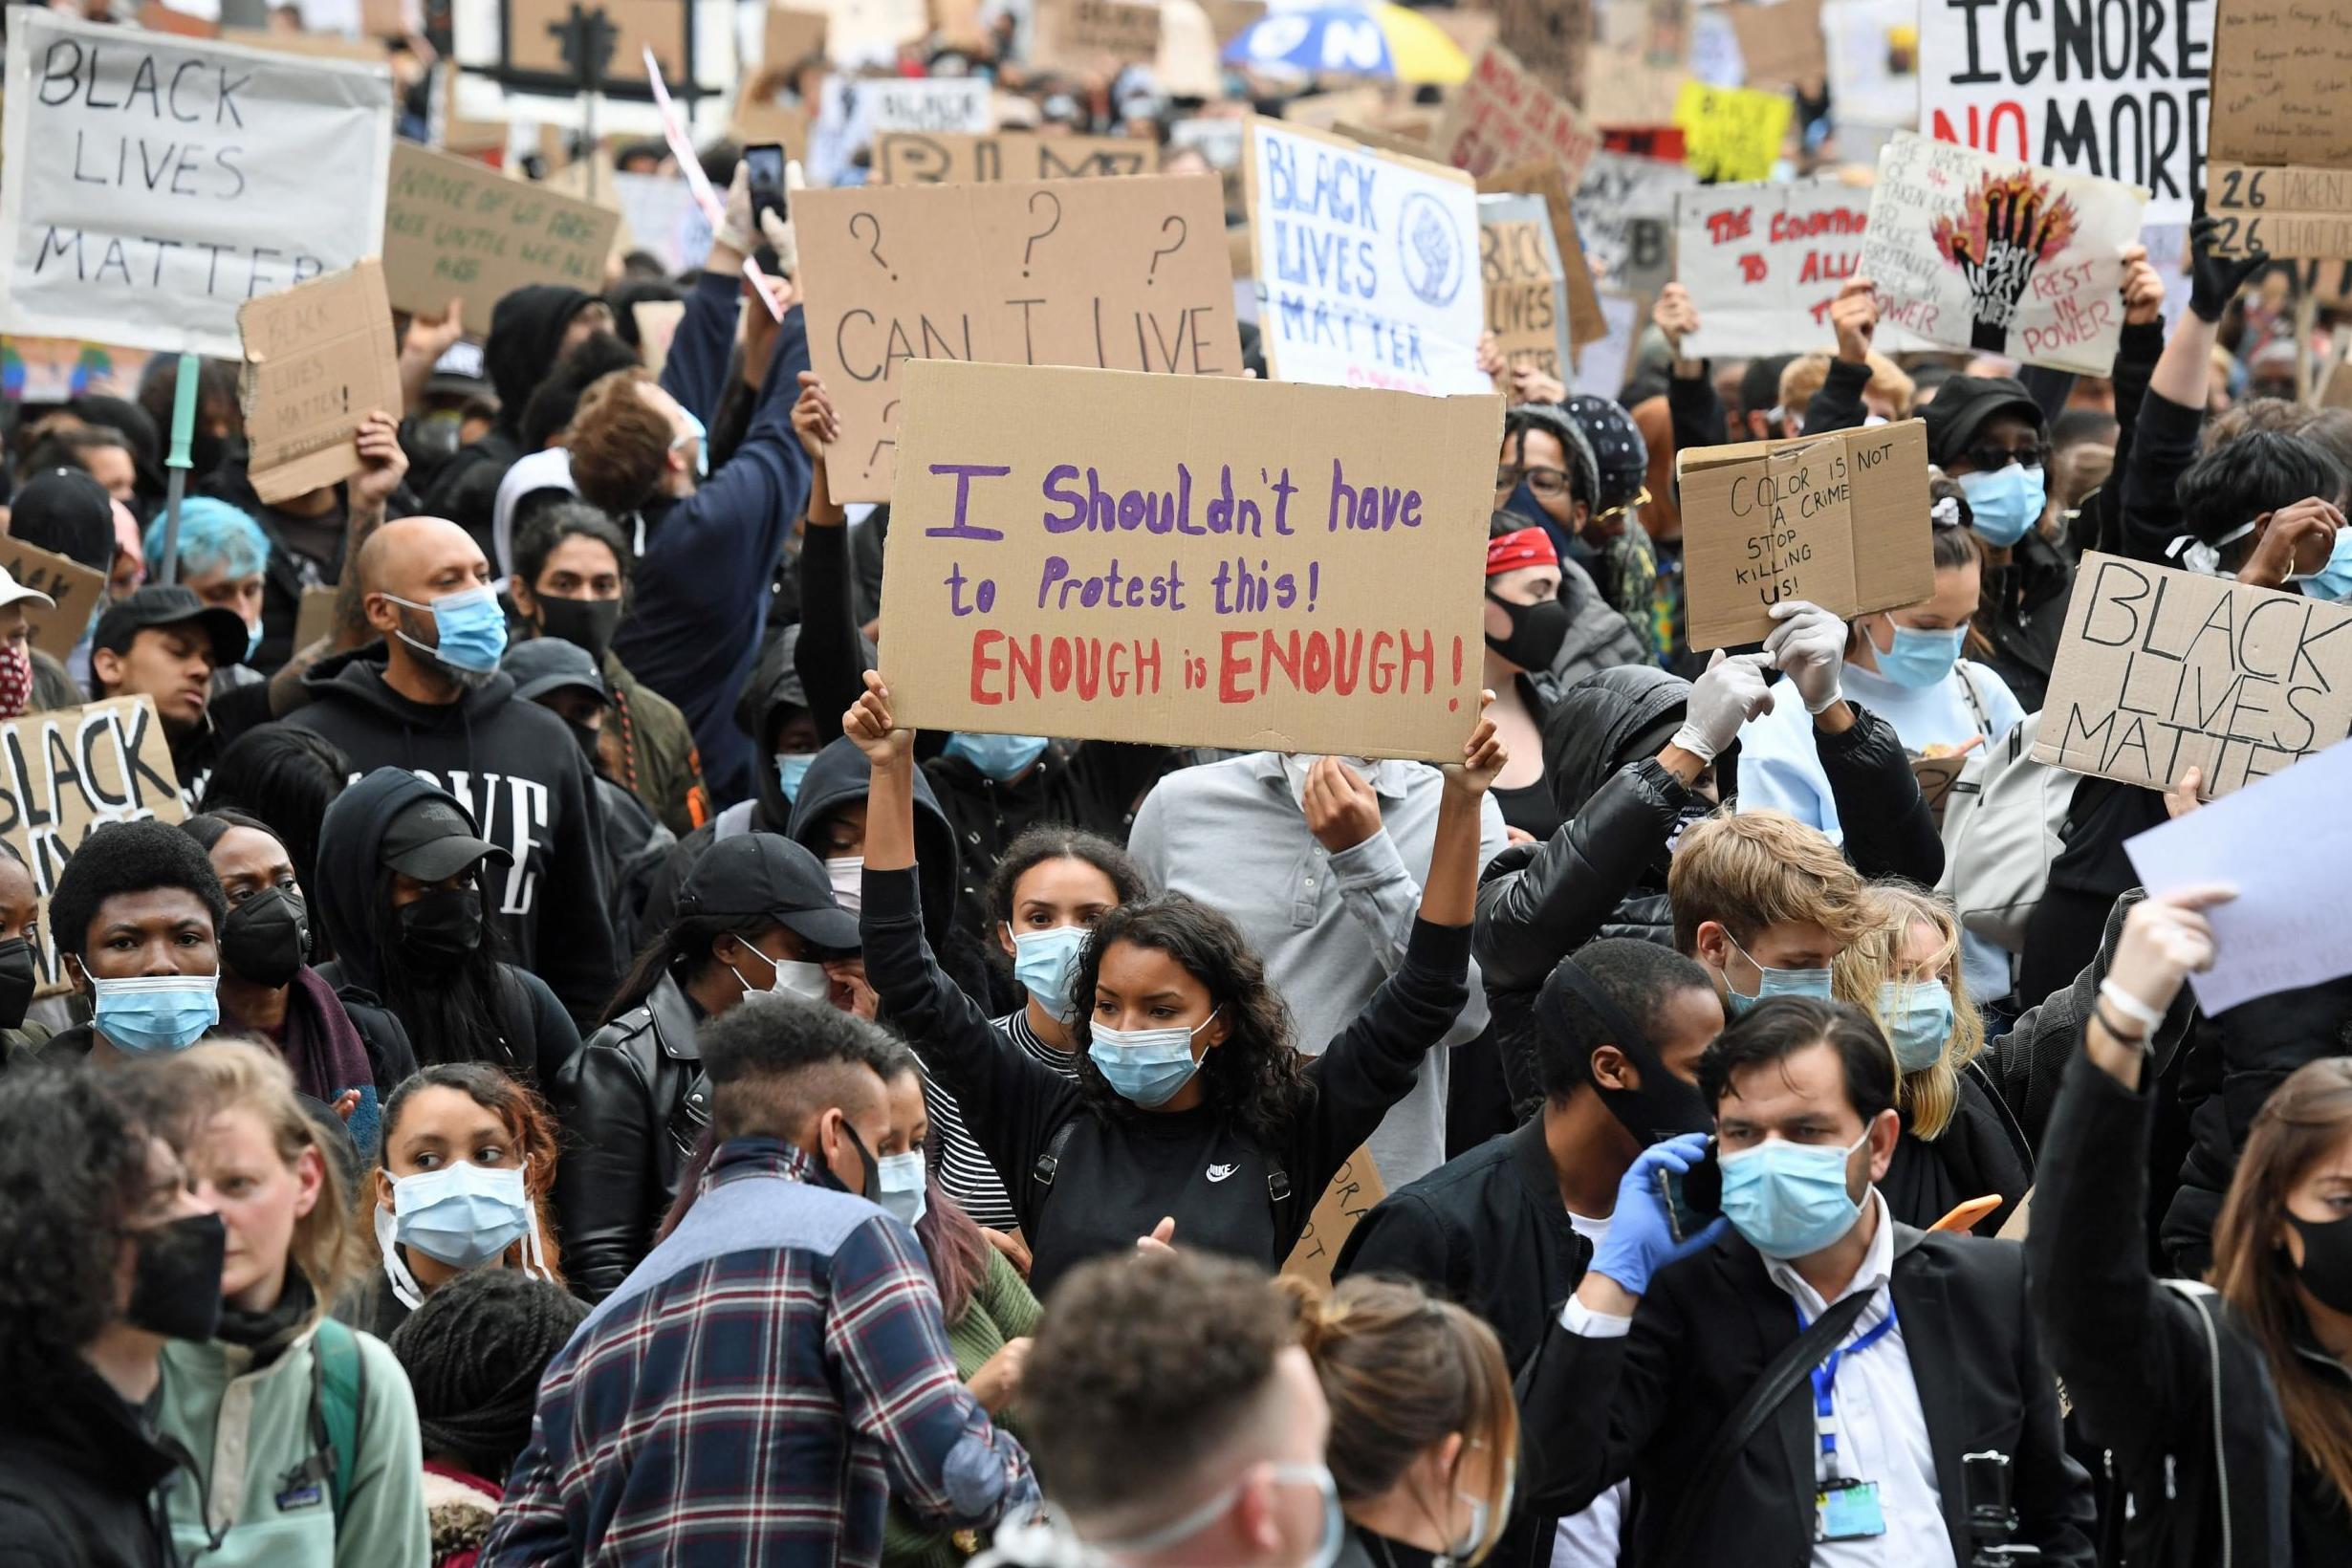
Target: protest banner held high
x=1770 y=259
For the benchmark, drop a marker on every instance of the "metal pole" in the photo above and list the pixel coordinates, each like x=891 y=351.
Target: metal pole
x=183 y=427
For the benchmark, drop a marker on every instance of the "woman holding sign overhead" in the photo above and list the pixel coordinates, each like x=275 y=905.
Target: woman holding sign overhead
x=1193 y=1116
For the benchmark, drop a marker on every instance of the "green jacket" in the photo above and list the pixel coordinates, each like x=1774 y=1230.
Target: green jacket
x=250 y=1436
x=659 y=764
x=1001 y=1309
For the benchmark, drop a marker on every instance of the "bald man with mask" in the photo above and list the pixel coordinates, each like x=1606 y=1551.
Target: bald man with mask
x=429 y=697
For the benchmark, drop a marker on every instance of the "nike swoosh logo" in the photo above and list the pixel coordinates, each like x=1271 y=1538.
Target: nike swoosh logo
x=1218 y=1173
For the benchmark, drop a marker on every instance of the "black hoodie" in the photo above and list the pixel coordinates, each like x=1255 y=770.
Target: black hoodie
x=516 y=769
x=526 y=339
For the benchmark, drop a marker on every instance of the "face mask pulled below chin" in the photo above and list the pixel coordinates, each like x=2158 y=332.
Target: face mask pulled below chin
x=1146 y=1066
x=1812 y=983
x=156 y=1013
x=788 y=977
x=2004 y=504
x=176 y=1277
x=1790 y=1199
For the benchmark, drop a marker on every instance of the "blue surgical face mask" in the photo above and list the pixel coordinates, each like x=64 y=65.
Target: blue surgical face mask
x=472 y=628
x=699 y=434
x=790 y=769
x=1812 y=983
x=903 y=1182
x=1918 y=1017
x=1790 y=1199
x=1044 y=963
x=1920 y=657
x=2005 y=503
x=2333 y=581
x=462 y=1214
x=1002 y=757
x=156 y=1012
x=1146 y=1066
x=252 y=640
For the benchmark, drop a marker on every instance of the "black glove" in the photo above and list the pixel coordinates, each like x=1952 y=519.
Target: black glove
x=2213 y=281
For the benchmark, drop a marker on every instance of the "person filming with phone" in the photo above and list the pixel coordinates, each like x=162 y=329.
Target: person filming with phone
x=1801 y=1379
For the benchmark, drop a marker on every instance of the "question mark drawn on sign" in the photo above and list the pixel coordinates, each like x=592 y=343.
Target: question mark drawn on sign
x=1184 y=231
x=874 y=246
x=890 y=412
x=1032 y=246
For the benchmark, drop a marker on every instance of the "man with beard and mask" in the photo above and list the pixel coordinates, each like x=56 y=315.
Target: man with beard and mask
x=571 y=581
x=347 y=1057
x=432 y=698
x=783 y=1246
x=1508 y=1229
x=130 y=1260
x=1918 y=1346
x=166 y=645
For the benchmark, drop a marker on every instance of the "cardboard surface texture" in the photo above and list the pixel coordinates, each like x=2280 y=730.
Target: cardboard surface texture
x=318 y=358
x=2160 y=670
x=1841 y=520
x=1505 y=115
x=789 y=35
x=944 y=158
x=1126 y=274
x=74 y=587
x=1781 y=45
x=1768 y=259
x=1553 y=37
x=2281 y=141
x=315 y=616
x=456 y=228
x=657 y=323
x=1526 y=291
x=1351 y=1195
x=1094 y=37
x=1214 y=561
x=1548 y=178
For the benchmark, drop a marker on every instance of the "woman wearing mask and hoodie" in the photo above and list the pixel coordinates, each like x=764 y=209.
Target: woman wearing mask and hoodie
x=400 y=865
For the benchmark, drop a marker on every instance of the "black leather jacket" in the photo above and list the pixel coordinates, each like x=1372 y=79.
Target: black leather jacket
x=633 y=1104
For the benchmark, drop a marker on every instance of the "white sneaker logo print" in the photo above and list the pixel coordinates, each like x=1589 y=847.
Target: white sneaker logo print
x=1218 y=1173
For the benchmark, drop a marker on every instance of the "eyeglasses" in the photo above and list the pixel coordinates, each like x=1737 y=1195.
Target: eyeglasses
x=1991 y=456
x=1612 y=513
x=1542 y=481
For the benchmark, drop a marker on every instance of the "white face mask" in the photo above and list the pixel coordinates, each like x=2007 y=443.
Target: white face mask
x=848 y=877
x=904 y=1181
x=788 y=977
x=1294 y=772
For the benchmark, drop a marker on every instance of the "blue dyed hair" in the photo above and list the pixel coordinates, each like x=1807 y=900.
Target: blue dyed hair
x=214 y=537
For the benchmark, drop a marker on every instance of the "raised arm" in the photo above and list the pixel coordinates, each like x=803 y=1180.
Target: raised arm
x=2164 y=439
x=1854 y=315
x=830 y=656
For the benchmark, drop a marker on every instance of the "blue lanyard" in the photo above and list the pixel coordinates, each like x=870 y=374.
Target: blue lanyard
x=1826 y=1380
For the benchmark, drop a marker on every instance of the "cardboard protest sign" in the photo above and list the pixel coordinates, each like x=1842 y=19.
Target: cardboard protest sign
x=155 y=183
x=317 y=358
x=659 y=213
x=2158 y=671
x=1936 y=776
x=1094 y=36
x=1980 y=253
x=1840 y=520
x=1365 y=264
x=852 y=110
x=2102 y=90
x=2280 y=174
x=1216 y=562
x=77 y=589
x=1321 y=111
x=1553 y=37
x=1187 y=66
x=1603 y=366
x=1780 y=44
x=315 y=616
x=1768 y=260
x=1379 y=141
x=1526 y=290
x=1351 y=1195
x=510 y=62
x=789 y=35
x=1730 y=134
x=1505 y=115
x=69 y=773
x=758 y=120
x=1549 y=181
x=1624 y=211
x=456 y=228
x=1637 y=61
x=1127 y=275
x=912 y=158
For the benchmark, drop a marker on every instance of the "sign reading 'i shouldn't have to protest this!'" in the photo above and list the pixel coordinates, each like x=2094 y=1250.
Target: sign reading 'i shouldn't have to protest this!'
x=1206 y=561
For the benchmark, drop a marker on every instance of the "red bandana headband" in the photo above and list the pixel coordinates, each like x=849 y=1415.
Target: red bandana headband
x=1528 y=547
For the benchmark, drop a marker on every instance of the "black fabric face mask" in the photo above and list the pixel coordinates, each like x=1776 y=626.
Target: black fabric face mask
x=2326 y=1271
x=18 y=980
x=586 y=739
x=267 y=938
x=1664 y=1106
x=871 y=1188
x=176 y=1277
x=583 y=623
x=1536 y=632
x=438 y=930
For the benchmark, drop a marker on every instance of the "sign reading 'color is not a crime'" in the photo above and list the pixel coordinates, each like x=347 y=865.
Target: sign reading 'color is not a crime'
x=1214 y=561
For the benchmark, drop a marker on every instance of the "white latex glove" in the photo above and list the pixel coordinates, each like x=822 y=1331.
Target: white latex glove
x=735 y=222
x=1731 y=692
x=1809 y=646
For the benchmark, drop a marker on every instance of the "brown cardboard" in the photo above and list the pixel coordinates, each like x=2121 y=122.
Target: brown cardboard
x=1095 y=38
x=757 y=120
x=1780 y=44
x=77 y=588
x=1379 y=141
x=453 y=227
x=792 y=36
x=1237 y=596
x=2297 y=213
x=1525 y=298
x=1228 y=19
x=2278 y=73
x=657 y=323
x=315 y=616
x=157 y=17
x=1548 y=178
x=324 y=46
x=1640 y=55
x=1841 y=520
x=318 y=358
x=1551 y=36
x=1505 y=115
x=76 y=769
x=1936 y=776
x=1321 y=111
x=2160 y=670
x=944 y=158
x=1349 y=1198
x=534 y=44
x=1127 y=273
x=452 y=132
x=384 y=18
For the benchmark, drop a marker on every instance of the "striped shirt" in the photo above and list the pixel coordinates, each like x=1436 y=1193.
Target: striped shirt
x=964 y=1170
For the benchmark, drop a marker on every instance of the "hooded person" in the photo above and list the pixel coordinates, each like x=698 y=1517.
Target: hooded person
x=67 y=512
x=1625 y=562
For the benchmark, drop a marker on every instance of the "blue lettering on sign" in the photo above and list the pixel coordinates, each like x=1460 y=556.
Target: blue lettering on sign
x=1338 y=187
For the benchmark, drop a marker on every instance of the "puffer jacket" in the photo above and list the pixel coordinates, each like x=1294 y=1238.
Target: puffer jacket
x=1598 y=638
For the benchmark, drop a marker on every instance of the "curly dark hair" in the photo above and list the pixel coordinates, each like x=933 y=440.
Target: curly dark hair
x=474 y=1353
x=128 y=858
x=73 y=1178
x=1257 y=1077
x=1058 y=841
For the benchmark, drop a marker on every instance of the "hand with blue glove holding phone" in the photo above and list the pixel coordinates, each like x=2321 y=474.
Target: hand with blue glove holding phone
x=1644 y=1232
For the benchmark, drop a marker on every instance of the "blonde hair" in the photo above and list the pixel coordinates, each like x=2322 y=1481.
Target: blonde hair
x=1928 y=1097
x=1402 y=1371
x=1805 y=375
x=1752 y=869
x=218 y=1076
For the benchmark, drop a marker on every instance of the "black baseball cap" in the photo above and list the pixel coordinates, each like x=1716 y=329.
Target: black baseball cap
x=1963 y=402
x=432 y=840
x=171 y=605
x=548 y=663
x=766 y=874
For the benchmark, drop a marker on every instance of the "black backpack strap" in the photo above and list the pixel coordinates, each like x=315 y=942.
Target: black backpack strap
x=1049 y=1162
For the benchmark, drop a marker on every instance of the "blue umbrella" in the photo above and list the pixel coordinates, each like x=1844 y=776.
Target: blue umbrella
x=1383 y=40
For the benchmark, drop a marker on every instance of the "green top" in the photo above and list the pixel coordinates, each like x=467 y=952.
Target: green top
x=1001 y=1309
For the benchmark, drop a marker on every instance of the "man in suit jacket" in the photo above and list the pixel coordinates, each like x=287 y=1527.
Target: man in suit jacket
x=1861 y=1461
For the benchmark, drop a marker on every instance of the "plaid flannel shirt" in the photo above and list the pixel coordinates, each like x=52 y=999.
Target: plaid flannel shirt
x=755 y=1391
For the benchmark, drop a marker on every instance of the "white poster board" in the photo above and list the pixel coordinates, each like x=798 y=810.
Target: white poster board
x=1624 y=209
x=157 y=183
x=852 y=109
x=1768 y=260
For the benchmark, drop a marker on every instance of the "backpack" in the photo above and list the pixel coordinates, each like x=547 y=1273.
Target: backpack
x=2003 y=827
x=338 y=1393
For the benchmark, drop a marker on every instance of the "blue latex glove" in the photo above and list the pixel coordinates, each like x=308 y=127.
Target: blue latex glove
x=1640 y=1241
